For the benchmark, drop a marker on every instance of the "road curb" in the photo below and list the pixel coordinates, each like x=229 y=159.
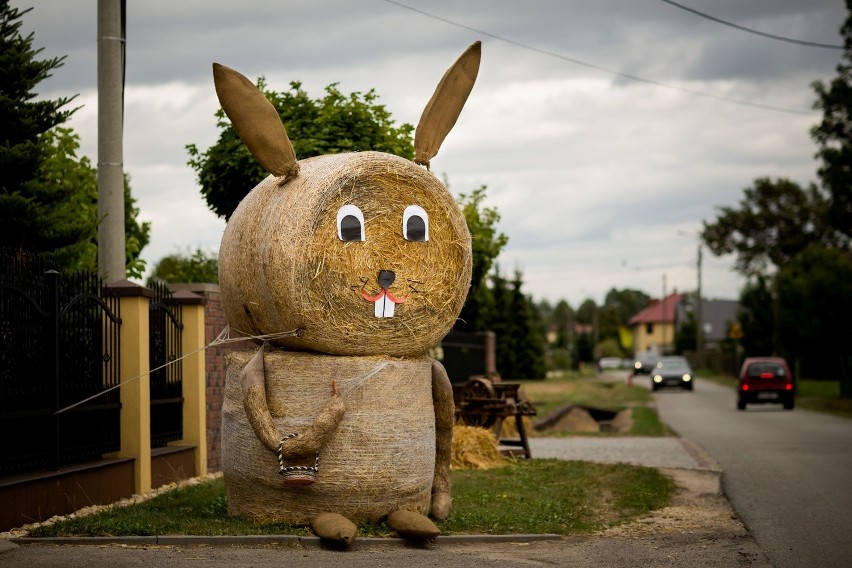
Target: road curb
x=287 y=540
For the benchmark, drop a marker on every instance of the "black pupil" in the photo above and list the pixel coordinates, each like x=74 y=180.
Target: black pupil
x=416 y=228
x=350 y=228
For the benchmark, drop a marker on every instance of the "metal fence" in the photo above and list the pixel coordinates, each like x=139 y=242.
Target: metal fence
x=59 y=345
x=164 y=345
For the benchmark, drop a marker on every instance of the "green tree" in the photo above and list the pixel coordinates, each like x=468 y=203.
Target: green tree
x=563 y=320
x=586 y=312
x=48 y=194
x=756 y=317
x=193 y=266
x=815 y=291
x=65 y=173
x=775 y=221
x=28 y=212
x=834 y=136
x=334 y=123
x=486 y=242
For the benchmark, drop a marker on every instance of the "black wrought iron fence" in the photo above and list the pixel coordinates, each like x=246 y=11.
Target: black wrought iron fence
x=164 y=346
x=59 y=345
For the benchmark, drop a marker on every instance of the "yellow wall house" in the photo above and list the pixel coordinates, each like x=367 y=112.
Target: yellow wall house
x=654 y=327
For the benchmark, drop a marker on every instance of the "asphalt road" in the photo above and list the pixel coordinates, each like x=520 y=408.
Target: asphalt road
x=787 y=474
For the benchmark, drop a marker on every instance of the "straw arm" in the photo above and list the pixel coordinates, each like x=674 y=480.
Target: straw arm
x=442 y=397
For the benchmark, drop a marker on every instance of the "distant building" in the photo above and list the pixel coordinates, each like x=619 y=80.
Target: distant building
x=718 y=316
x=654 y=327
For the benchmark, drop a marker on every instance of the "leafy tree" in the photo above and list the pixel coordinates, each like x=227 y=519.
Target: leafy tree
x=334 y=123
x=563 y=320
x=834 y=136
x=514 y=319
x=486 y=242
x=586 y=312
x=48 y=194
x=815 y=292
x=28 y=216
x=64 y=173
x=627 y=302
x=194 y=266
x=756 y=317
x=775 y=221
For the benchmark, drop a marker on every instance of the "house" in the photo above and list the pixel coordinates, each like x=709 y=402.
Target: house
x=717 y=315
x=654 y=327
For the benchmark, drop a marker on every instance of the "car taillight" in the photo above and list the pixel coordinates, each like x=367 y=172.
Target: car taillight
x=745 y=387
x=767 y=375
x=788 y=387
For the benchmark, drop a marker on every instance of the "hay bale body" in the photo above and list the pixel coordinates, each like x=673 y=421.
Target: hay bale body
x=282 y=265
x=381 y=458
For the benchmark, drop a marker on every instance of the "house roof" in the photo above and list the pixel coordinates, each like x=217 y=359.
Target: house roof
x=658 y=311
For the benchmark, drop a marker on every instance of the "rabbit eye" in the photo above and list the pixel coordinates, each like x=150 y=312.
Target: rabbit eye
x=415 y=224
x=350 y=224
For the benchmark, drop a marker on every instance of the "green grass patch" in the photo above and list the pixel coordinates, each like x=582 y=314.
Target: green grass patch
x=526 y=496
x=551 y=394
x=646 y=422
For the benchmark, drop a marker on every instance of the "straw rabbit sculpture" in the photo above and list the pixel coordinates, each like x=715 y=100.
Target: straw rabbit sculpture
x=366 y=256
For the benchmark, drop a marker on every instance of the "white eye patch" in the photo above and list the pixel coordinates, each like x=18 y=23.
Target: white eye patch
x=350 y=223
x=415 y=224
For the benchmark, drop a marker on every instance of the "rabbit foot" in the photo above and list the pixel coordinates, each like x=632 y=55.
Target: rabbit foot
x=441 y=504
x=334 y=527
x=412 y=526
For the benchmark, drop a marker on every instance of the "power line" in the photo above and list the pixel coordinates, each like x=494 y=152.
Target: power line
x=629 y=76
x=756 y=32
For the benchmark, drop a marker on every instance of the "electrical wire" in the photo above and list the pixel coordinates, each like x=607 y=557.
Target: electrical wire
x=629 y=76
x=752 y=31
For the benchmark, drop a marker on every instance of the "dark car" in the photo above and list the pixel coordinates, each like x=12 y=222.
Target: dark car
x=645 y=363
x=766 y=379
x=672 y=372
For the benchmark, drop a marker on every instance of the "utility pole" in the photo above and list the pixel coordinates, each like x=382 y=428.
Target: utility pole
x=111 y=261
x=699 y=316
x=663 y=324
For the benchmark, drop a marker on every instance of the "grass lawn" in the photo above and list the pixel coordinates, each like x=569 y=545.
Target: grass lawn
x=555 y=392
x=527 y=496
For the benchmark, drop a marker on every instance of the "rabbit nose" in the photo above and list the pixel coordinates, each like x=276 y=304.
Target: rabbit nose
x=386 y=278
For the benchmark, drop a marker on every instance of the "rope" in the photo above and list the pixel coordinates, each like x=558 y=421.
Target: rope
x=221 y=339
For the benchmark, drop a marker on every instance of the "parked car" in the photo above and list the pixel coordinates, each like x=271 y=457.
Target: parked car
x=645 y=363
x=766 y=379
x=609 y=363
x=672 y=372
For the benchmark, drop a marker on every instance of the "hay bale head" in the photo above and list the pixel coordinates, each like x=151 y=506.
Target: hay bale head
x=364 y=253
x=381 y=458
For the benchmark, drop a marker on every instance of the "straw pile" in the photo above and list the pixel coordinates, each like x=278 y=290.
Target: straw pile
x=475 y=448
x=282 y=265
x=380 y=459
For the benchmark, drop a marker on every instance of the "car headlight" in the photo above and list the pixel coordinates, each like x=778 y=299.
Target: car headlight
x=658 y=379
x=687 y=378
x=637 y=365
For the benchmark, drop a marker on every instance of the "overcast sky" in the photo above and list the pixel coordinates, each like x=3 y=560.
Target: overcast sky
x=602 y=180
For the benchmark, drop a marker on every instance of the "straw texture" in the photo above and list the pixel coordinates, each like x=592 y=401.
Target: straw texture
x=380 y=459
x=282 y=265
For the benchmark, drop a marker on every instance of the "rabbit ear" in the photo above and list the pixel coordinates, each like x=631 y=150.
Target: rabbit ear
x=446 y=104
x=256 y=121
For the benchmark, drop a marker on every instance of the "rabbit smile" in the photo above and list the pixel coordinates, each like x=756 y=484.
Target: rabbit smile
x=384 y=301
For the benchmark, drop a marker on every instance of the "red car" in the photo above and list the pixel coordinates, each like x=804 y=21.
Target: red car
x=766 y=379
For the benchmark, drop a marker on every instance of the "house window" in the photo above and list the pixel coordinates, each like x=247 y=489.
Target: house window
x=649 y=328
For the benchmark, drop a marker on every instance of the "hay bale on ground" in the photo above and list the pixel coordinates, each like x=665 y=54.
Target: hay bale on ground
x=475 y=448
x=577 y=419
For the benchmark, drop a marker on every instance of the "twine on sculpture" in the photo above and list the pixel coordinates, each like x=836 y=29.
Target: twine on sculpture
x=223 y=338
